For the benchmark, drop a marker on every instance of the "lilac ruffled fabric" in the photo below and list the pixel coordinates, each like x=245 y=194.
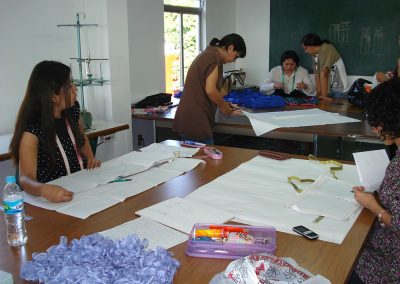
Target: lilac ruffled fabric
x=96 y=259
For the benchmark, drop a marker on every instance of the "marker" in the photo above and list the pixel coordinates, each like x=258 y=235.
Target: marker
x=120 y=180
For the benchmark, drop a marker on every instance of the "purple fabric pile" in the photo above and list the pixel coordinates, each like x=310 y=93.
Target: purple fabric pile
x=96 y=259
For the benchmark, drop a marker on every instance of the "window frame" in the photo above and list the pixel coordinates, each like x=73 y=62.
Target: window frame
x=183 y=10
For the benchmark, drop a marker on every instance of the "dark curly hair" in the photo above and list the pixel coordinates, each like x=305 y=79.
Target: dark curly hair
x=383 y=108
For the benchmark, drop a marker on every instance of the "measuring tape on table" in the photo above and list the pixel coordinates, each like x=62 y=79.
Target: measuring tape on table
x=301 y=180
x=337 y=166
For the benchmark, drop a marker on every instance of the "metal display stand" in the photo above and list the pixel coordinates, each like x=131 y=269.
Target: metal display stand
x=89 y=80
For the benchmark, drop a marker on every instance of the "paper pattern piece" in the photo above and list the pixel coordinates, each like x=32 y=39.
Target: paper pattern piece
x=162 y=148
x=157 y=234
x=257 y=193
x=266 y=121
x=182 y=214
x=94 y=193
x=327 y=197
x=371 y=168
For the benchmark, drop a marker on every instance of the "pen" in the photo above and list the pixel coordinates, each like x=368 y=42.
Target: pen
x=120 y=180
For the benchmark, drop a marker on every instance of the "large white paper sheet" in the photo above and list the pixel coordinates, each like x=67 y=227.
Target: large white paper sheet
x=257 y=193
x=94 y=193
x=162 y=148
x=74 y=185
x=268 y=121
x=371 y=168
x=182 y=214
x=157 y=234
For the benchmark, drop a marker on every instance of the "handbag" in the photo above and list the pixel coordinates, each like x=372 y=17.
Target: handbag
x=357 y=92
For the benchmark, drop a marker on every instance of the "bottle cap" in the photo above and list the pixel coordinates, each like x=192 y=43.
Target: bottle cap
x=10 y=179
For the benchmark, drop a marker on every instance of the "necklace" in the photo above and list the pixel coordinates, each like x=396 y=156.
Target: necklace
x=294 y=79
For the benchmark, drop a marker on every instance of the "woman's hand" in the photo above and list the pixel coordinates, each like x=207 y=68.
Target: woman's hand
x=278 y=86
x=301 y=86
x=92 y=164
x=229 y=108
x=55 y=193
x=366 y=199
x=325 y=99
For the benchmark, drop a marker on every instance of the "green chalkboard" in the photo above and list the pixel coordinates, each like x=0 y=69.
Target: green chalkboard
x=365 y=32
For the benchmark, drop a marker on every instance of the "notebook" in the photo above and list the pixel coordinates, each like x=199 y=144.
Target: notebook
x=371 y=168
x=327 y=197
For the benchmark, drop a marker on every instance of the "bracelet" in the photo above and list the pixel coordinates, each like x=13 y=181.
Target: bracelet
x=380 y=218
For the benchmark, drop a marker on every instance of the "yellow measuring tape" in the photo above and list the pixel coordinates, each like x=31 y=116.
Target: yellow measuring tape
x=337 y=166
x=299 y=190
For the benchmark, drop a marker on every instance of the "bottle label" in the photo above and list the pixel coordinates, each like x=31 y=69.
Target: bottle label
x=13 y=207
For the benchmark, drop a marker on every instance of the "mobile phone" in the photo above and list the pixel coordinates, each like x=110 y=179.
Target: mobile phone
x=306 y=232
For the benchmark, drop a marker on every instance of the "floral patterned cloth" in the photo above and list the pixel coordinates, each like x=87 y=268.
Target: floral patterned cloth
x=380 y=260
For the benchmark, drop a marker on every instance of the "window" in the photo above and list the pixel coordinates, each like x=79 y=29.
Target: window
x=181 y=38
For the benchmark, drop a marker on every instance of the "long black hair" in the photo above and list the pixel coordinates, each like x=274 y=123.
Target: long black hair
x=231 y=39
x=48 y=78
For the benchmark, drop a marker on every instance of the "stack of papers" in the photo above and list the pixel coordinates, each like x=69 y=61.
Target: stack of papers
x=327 y=197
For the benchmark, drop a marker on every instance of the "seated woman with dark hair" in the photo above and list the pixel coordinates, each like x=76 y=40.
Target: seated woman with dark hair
x=288 y=79
x=380 y=260
x=48 y=140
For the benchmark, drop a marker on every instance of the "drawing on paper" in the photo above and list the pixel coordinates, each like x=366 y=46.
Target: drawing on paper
x=339 y=32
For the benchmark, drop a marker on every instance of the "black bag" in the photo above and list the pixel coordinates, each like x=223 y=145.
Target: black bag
x=357 y=93
x=154 y=100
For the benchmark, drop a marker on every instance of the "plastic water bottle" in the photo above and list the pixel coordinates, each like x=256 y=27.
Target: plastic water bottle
x=13 y=203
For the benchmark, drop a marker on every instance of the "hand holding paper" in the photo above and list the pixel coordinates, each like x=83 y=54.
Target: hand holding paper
x=371 y=167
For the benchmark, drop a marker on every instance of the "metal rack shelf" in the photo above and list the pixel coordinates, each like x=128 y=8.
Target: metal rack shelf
x=89 y=80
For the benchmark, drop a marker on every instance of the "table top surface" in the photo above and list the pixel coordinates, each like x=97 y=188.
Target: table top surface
x=99 y=128
x=352 y=130
x=328 y=259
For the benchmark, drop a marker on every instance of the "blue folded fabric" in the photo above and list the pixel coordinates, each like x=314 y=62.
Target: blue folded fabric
x=96 y=259
x=250 y=98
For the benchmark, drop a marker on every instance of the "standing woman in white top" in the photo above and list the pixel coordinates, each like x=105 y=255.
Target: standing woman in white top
x=288 y=79
x=330 y=72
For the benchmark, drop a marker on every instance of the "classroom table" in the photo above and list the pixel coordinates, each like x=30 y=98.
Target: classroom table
x=240 y=124
x=333 y=261
x=99 y=128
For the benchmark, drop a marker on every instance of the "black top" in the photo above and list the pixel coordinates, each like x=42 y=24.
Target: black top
x=44 y=173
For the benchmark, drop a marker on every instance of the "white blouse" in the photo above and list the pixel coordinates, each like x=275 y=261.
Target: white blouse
x=289 y=82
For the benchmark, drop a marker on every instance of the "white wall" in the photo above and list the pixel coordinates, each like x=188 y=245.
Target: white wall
x=120 y=90
x=253 y=25
x=220 y=17
x=30 y=34
x=250 y=19
x=146 y=45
